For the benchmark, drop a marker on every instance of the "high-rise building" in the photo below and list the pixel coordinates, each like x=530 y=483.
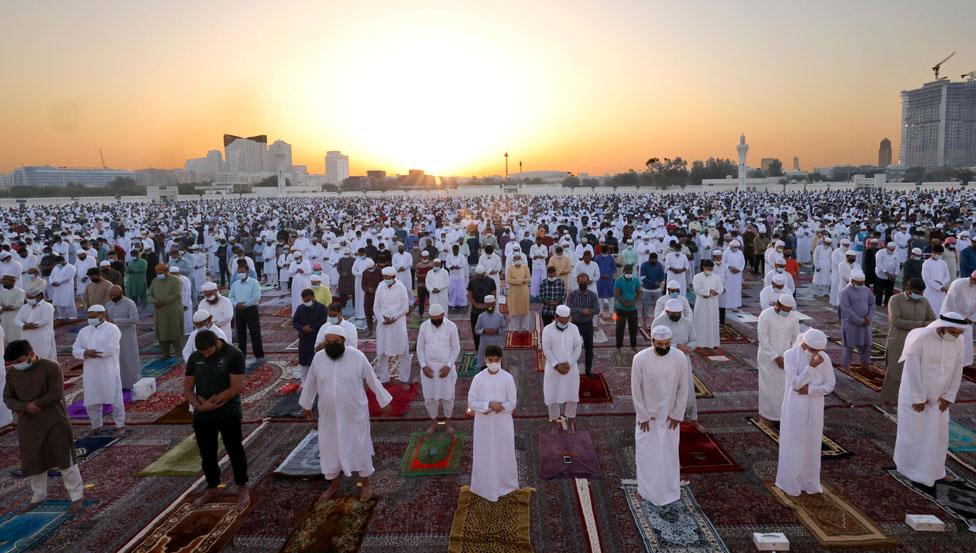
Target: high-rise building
x=938 y=125
x=336 y=167
x=280 y=151
x=61 y=176
x=796 y=163
x=765 y=163
x=884 y=153
x=247 y=155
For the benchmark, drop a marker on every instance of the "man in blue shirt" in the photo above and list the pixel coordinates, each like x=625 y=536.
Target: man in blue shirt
x=245 y=295
x=967 y=260
x=652 y=279
x=626 y=292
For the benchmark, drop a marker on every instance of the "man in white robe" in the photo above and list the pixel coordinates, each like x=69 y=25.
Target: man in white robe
x=12 y=298
x=492 y=398
x=936 y=275
x=36 y=321
x=336 y=318
x=682 y=337
x=336 y=377
x=659 y=386
x=98 y=346
x=961 y=298
x=676 y=266
x=299 y=271
x=186 y=298
x=674 y=293
x=822 y=267
x=708 y=287
x=809 y=377
x=837 y=281
x=62 y=283
x=456 y=285
x=358 y=267
x=777 y=330
x=779 y=269
x=202 y=320
x=929 y=383
x=438 y=347
x=402 y=263
x=772 y=292
x=83 y=262
x=493 y=266
x=219 y=307
x=561 y=346
x=436 y=281
x=735 y=263
x=538 y=253
x=390 y=307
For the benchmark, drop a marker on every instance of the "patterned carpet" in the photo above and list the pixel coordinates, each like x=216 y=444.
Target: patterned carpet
x=415 y=514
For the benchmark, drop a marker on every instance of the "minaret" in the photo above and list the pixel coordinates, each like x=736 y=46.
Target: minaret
x=743 y=149
x=280 y=169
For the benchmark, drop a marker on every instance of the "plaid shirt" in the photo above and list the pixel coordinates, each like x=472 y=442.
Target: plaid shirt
x=551 y=290
x=577 y=301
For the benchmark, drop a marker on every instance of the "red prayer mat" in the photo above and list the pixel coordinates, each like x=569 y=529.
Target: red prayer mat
x=700 y=453
x=401 y=399
x=521 y=339
x=594 y=390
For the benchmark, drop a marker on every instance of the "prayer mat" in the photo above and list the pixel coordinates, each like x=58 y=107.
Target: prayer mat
x=623 y=357
x=401 y=398
x=287 y=408
x=414 y=322
x=288 y=389
x=283 y=312
x=540 y=361
x=433 y=454
x=701 y=390
x=567 y=455
x=481 y=526
x=700 y=453
x=74 y=370
x=158 y=367
x=732 y=335
x=204 y=529
x=969 y=372
x=77 y=409
x=600 y=337
x=678 y=526
x=22 y=532
x=872 y=377
x=832 y=520
x=85 y=449
x=468 y=364
x=961 y=438
x=303 y=461
x=958 y=498
x=714 y=356
x=521 y=339
x=292 y=346
x=645 y=334
x=595 y=389
x=829 y=449
x=878 y=351
x=183 y=459
x=177 y=415
x=332 y=526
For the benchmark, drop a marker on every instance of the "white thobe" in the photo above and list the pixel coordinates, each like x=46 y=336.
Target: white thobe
x=6 y=416
x=222 y=312
x=706 y=309
x=358 y=266
x=493 y=266
x=41 y=339
x=591 y=269
x=935 y=273
x=933 y=371
x=348 y=330
x=837 y=258
x=538 y=254
x=732 y=298
x=561 y=346
x=187 y=304
x=299 y=281
x=769 y=296
x=961 y=299
x=101 y=376
x=391 y=302
x=494 y=472
x=776 y=335
x=768 y=279
x=801 y=430
x=438 y=347
x=659 y=388
x=345 y=443
x=438 y=279
x=81 y=273
x=686 y=310
x=402 y=263
x=14 y=298
x=63 y=295
x=191 y=345
x=677 y=260
x=822 y=268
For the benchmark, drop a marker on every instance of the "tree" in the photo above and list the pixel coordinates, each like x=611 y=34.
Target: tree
x=756 y=174
x=590 y=181
x=712 y=169
x=775 y=168
x=915 y=174
x=815 y=177
x=571 y=181
x=669 y=172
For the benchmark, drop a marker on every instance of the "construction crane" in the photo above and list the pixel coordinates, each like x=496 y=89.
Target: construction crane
x=970 y=77
x=102 y=156
x=936 y=67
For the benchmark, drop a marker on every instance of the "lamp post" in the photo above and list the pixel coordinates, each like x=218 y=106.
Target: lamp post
x=506 y=165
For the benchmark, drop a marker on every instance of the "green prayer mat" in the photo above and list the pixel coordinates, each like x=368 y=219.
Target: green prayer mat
x=433 y=454
x=183 y=459
x=468 y=364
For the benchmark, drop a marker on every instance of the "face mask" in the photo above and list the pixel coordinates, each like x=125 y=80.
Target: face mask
x=390 y=282
x=707 y=272
x=662 y=351
x=161 y=276
x=316 y=286
x=94 y=322
x=335 y=350
x=583 y=286
x=308 y=303
x=117 y=300
x=673 y=294
x=31 y=277
x=949 y=337
x=437 y=322
x=8 y=286
x=779 y=269
x=494 y=367
x=22 y=366
x=675 y=317
x=562 y=326
x=242 y=276
x=783 y=314
x=333 y=320
x=490 y=309
x=628 y=276
x=211 y=299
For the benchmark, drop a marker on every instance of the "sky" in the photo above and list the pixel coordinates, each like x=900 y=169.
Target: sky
x=592 y=86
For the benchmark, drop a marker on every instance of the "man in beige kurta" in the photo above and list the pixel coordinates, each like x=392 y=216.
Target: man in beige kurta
x=518 y=277
x=562 y=264
x=906 y=311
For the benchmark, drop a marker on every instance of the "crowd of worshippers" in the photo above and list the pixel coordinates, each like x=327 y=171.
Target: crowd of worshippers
x=672 y=265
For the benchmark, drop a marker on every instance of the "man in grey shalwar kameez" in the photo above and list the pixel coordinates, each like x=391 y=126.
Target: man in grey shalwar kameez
x=856 y=308
x=491 y=326
x=123 y=313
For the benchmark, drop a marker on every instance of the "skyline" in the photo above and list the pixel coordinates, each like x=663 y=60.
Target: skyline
x=596 y=88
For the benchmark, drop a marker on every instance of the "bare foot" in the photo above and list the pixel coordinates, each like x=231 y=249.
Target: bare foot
x=206 y=497
x=76 y=505
x=571 y=425
x=243 y=496
x=331 y=490
x=29 y=507
x=431 y=429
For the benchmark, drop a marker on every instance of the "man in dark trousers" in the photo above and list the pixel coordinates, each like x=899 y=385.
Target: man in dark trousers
x=212 y=385
x=479 y=287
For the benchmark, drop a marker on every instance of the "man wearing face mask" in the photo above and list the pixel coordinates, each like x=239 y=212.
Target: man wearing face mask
x=961 y=298
x=769 y=294
x=935 y=273
x=299 y=271
x=202 y=321
x=584 y=305
x=683 y=338
x=885 y=272
x=659 y=386
x=906 y=312
x=166 y=295
x=12 y=299
x=933 y=370
x=245 y=295
x=96 y=293
x=438 y=347
x=436 y=282
x=336 y=377
x=123 y=313
x=842 y=264
x=777 y=330
x=856 y=307
x=913 y=265
x=708 y=287
x=322 y=294
x=779 y=268
x=478 y=289
x=552 y=293
x=809 y=377
x=63 y=289
x=490 y=328
x=561 y=346
x=492 y=397
x=652 y=279
x=563 y=266
x=518 y=278
x=219 y=307
x=674 y=293
x=336 y=318
x=97 y=345
x=359 y=266
x=391 y=306
x=627 y=295
x=135 y=278
x=308 y=320
x=492 y=263
x=36 y=321
x=34 y=390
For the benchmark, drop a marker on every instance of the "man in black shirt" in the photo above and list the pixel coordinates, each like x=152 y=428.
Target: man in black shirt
x=479 y=287
x=213 y=383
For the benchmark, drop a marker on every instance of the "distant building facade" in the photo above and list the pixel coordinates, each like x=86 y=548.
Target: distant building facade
x=938 y=125
x=884 y=153
x=47 y=175
x=336 y=167
x=247 y=155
